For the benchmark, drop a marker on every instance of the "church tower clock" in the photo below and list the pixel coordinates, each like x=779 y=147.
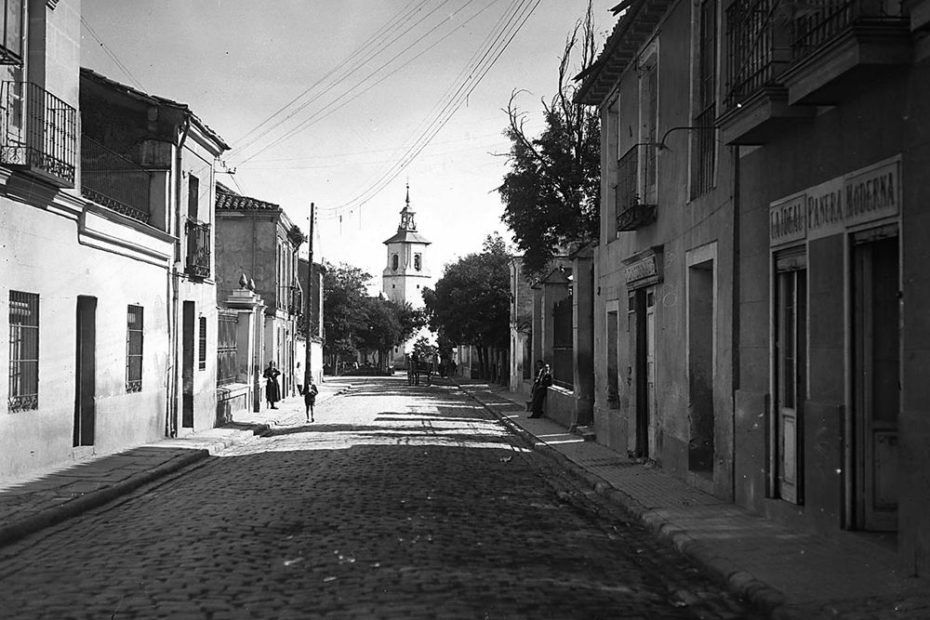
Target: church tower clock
x=406 y=273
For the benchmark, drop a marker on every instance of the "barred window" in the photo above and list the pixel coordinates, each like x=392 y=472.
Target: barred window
x=134 y=349
x=203 y=343
x=704 y=146
x=24 y=351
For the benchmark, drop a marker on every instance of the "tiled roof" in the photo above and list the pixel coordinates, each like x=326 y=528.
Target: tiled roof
x=228 y=200
x=637 y=22
x=151 y=99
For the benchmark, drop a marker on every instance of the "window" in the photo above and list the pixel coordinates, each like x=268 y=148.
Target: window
x=134 y=349
x=193 y=197
x=394 y=262
x=650 y=115
x=418 y=262
x=24 y=351
x=202 y=362
x=11 y=47
x=704 y=147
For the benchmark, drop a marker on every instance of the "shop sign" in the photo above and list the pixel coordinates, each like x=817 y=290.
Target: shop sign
x=827 y=209
x=643 y=269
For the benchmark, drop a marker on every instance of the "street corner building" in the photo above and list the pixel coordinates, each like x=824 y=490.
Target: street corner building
x=761 y=279
x=106 y=266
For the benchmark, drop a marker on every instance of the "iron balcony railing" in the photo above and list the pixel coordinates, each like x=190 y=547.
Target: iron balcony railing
x=765 y=36
x=818 y=21
x=757 y=48
x=631 y=212
x=114 y=181
x=198 y=249
x=39 y=132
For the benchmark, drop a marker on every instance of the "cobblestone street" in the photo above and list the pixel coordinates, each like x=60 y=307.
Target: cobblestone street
x=399 y=502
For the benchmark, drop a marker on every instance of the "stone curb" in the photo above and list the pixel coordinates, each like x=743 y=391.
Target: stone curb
x=48 y=517
x=764 y=597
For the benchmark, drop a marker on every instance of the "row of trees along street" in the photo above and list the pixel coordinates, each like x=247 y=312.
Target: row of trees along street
x=469 y=306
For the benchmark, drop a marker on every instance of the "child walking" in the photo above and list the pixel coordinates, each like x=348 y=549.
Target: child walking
x=310 y=393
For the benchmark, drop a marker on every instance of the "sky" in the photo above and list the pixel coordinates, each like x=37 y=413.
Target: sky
x=341 y=103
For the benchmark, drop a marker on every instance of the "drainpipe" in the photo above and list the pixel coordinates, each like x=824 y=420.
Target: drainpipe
x=735 y=324
x=171 y=422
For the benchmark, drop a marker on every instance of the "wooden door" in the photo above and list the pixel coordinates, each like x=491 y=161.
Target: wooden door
x=86 y=370
x=650 y=364
x=790 y=377
x=876 y=379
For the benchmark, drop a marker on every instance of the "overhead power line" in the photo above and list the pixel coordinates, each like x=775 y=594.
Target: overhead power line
x=111 y=54
x=487 y=55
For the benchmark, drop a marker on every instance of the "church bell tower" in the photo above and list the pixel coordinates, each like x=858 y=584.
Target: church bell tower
x=406 y=272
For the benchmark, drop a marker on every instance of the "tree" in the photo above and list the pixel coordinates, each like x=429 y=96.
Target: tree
x=551 y=193
x=471 y=302
x=344 y=315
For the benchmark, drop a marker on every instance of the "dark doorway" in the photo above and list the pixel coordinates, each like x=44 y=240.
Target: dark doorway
x=85 y=381
x=187 y=366
x=876 y=377
x=701 y=367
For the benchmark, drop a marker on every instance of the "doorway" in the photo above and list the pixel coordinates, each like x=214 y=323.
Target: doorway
x=701 y=367
x=187 y=366
x=86 y=369
x=876 y=376
x=790 y=379
x=642 y=317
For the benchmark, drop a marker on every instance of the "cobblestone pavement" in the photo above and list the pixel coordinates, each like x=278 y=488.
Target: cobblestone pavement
x=399 y=502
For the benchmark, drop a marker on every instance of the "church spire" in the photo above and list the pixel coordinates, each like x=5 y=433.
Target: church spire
x=406 y=215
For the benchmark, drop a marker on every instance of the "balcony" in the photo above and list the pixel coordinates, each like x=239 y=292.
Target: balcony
x=837 y=45
x=198 y=249
x=39 y=133
x=631 y=212
x=114 y=181
x=758 y=51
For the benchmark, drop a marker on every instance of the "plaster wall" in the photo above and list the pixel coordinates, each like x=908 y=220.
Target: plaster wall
x=683 y=224
x=40 y=253
x=888 y=118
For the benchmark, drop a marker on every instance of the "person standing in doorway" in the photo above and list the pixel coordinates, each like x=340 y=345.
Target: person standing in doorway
x=540 y=387
x=272 y=391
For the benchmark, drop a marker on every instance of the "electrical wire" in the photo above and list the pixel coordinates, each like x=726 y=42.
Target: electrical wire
x=519 y=17
x=111 y=54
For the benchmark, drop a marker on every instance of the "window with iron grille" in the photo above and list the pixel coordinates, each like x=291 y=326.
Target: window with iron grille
x=227 y=324
x=24 y=351
x=202 y=361
x=134 y=349
x=704 y=144
x=11 y=47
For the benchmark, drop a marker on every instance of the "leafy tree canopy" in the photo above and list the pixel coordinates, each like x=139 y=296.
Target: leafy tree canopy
x=551 y=193
x=471 y=302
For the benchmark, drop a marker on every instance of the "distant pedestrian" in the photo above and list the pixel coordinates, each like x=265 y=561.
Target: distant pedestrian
x=540 y=387
x=310 y=393
x=272 y=391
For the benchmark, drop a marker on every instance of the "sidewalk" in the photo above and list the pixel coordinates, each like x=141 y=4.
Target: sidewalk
x=49 y=497
x=789 y=573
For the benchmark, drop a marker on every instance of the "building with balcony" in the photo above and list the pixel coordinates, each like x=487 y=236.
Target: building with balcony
x=774 y=330
x=153 y=161
x=826 y=104
x=256 y=239
x=89 y=241
x=663 y=309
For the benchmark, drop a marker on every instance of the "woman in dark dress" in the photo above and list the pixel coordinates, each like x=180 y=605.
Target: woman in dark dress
x=542 y=382
x=272 y=391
